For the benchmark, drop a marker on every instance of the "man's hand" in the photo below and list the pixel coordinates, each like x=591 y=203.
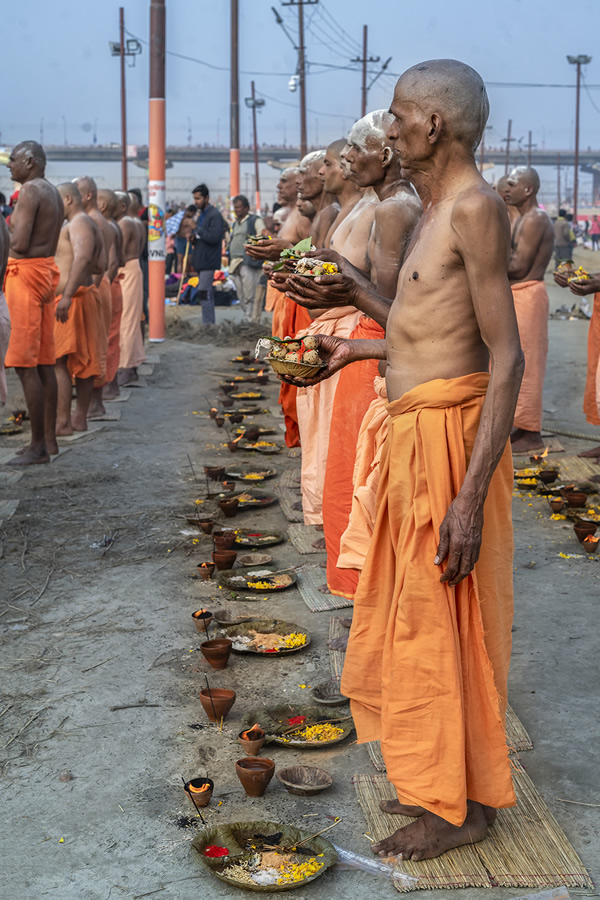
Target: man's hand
x=561 y=279
x=62 y=308
x=335 y=353
x=329 y=256
x=267 y=249
x=279 y=280
x=460 y=539
x=322 y=291
x=590 y=287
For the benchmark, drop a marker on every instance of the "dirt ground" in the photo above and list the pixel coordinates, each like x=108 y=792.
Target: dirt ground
x=92 y=796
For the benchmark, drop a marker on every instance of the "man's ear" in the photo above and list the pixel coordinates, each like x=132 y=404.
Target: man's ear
x=387 y=156
x=435 y=129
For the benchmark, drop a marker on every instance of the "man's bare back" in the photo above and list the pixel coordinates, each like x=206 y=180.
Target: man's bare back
x=36 y=221
x=79 y=237
x=532 y=231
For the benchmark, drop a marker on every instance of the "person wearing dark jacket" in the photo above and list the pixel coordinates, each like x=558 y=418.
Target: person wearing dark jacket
x=208 y=240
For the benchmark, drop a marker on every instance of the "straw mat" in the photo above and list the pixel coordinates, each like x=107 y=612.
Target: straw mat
x=336 y=657
x=573 y=468
x=303 y=536
x=290 y=479
x=287 y=498
x=309 y=582
x=525 y=847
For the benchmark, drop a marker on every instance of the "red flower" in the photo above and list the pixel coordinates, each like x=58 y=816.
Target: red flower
x=297 y=720
x=214 y=852
x=272 y=650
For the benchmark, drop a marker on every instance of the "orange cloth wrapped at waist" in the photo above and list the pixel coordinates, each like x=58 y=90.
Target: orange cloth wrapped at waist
x=30 y=287
x=79 y=337
x=591 y=397
x=131 y=340
x=531 y=308
x=356 y=539
x=288 y=320
x=104 y=293
x=427 y=664
x=114 y=334
x=270 y=298
x=314 y=405
x=353 y=395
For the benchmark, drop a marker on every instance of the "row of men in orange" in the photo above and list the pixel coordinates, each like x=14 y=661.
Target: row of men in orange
x=74 y=291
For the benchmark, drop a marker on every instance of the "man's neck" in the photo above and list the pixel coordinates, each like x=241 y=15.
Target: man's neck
x=444 y=175
x=72 y=212
x=528 y=204
x=350 y=193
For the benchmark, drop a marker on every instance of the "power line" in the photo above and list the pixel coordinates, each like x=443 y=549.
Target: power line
x=339 y=29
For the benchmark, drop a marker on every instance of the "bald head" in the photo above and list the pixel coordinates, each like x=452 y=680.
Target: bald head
x=107 y=201
x=123 y=202
x=33 y=151
x=311 y=159
x=88 y=190
x=69 y=191
x=524 y=175
x=371 y=128
x=451 y=96
x=336 y=147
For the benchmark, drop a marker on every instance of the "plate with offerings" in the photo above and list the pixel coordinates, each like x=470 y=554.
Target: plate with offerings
x=247 y=395
x=268 y=637
x=259 y=580
x=262 y=446
x=255 y=500
x=250 y=473
x=250 y=537
x=302 y=726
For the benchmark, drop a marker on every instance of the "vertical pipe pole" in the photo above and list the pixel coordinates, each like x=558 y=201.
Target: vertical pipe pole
x=364 y=72
x=257 y=175
x=123 y=102
x=529 y=145
x=558 y=181
x=234 y=125
x=508 y=140
x=302 y=67
x=156 y=174
x=576 y=172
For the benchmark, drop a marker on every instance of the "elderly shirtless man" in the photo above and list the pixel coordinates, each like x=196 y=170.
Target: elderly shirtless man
x=107 y=204
x=30 y=285
x=427 y=661
x=132 y=345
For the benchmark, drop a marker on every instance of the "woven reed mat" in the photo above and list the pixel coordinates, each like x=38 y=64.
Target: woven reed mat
x=573 y=468
x=111 y=415
x=122 y=398
x=552 y=443
x=524 y=848
x=287 y=498
x=516 y=736
x=290 y=479
x=337 y=657
x=303 y=536
x=310 y=580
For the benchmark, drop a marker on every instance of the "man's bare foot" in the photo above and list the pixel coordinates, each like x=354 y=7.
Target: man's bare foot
x=395 y=808
x=127 y=376
x=324 y=589
x=110 y=391
x=319 y=544
x=51 y=445
x=430 y=836
x=594 y=453
x=522 y=441
x=79 y=422
x=297 y=505
x=346 y=621
x=29 y=457
x=338 y=643
x=97 y=409
x=63 y=430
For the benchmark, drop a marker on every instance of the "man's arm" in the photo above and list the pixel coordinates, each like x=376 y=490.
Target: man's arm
x=269 y=250
x=212 y=232
x=4 y=248
x=482 y=239
x=529 y=239
x=338 y=352
x=23 y=219
x=82 y=239
x=327 y=291
x=393 y=226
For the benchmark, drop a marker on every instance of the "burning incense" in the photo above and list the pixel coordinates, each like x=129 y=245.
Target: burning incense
x=211 y=699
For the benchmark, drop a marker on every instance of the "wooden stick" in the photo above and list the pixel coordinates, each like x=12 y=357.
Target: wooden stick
x=189 y=793
x=577 y=802
x=323 y=830
x=185 y=259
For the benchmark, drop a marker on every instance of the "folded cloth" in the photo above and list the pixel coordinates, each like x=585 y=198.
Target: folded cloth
x=114 y=333
x=4 y=339
x=353 y=395
x=372 y=436
x=314 y=405
x=531 y=307
x=131 y=341
x=30 y=287
x=427 y=664
x=288 y=320
x=79 y=338
x=591 y=397
x=104 y=294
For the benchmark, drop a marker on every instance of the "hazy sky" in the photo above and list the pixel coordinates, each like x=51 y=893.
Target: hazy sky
x=57 y=57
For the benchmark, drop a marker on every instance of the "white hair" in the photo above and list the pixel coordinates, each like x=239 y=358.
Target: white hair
x=374 y=125
x=311 y=158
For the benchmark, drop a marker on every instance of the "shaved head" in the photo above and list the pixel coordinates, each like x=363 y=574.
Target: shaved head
x=34 y=150
x=373 y=126
x=291 y=171
x=122 y=197
x=315 y=156
x=87 y=185
x=526 y=175
x=107 y=200
x=336 y=147
x=69 y=189
x=451 y=91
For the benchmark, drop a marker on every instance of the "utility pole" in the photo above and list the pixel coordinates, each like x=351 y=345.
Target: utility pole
x=364 y=60
x=124 y=48
x=507 y=140
x=557 y=182
x=579 y=61
x=301 y=67
x=530 y=147
x=255 y=104
x=156 y=174
x=234 y=127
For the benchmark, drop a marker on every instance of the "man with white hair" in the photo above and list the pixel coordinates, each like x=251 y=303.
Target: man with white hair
x=532 y=246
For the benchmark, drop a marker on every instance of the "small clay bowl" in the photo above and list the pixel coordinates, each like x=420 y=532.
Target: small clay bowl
x=583 y=529
x=224 y=539
x=200 y=791
x=576 y=499
x=304 y=780
x=203 y=617
x=246 y=360
x=206 y=527
x=251 y=746
x=224 y=559
x=221 y=699
x=213 y=413
x=233 y=446
x=227 y=402
x=236 y=418
x=215 y=472
x=548 y=476
x=262 y=379
x=227 y=388
x=557 y=505
x=255 y=559
x=537 y=459
x=566 y=489
x=590 y=544
x=255 y=774
x=205 y=570
x=229 y=507
x=220 y=420
x=217 y=652
x=251 y=434
x=328 y=693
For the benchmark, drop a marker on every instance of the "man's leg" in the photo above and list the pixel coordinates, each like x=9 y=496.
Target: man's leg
x=97 y=408
x=84 y=388
x=47 y=376
x=64 y=425
x=36 y=452
x=430 y=836
x=206 y=297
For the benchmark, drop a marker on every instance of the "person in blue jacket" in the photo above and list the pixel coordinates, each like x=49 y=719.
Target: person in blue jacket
x=208 y=241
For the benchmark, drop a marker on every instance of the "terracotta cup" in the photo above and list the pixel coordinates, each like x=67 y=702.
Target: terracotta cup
x=202 y=619
x=227 y=388
x=236 y=418
x=557 y=505
x=229 y=508
x=205 y=570
x=255 y=774
x=590 y=543
x=212 y=413
x=221 y=699
x=548 y=476
x=576 y=499
x=200 y=791
x=583 y=529
x=220 y=420
x=217 y=652
x=244 y=352
x=233 y=446
x=251 y=434
x=227 y=402
x=250 y=745
x=224 y=559
x=224 y=539
x=215 y=472
x=206 y=526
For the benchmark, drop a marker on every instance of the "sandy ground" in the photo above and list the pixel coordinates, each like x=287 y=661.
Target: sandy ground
x=91 y=796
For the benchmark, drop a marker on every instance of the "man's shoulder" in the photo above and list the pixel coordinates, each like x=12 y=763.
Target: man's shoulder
x=403 y=205
x=476 y=204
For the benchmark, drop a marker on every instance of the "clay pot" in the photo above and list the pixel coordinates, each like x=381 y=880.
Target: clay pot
x=216 y=652
x=557 y=505
x=223 y=539
x=548 y=476
x=236 y=418
x=212 y=413
x=251 y=434
x=251 y=746
x=200 y=791
x=233 y=446
x=230 y=507
x=244 y=352
x=227 y=402
x=262 y=379
x=227 y=388
x=214 y=472
x=583 y=529
x=202 y=619
x=205 y=570
x=246 y=360
x=206 y=526
x=220 y=420
x=255 y=774
x=576 y=499
x=224 y=559
x=567 y=489
x=222 y=700
x=590 y=544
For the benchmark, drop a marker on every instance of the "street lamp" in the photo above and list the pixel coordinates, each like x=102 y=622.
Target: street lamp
x=579 y=61
x=255 y=103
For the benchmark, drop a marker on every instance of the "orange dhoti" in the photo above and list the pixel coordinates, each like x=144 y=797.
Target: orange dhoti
x=314 y=406
x=270 y=297
x=30 y=287
x=79 y=338
x=131 y=342
x=104 y=294
x=288 y=320
x=353 y=395
x=531 y=307
x=114 y=333
x=356 y=539
x=427 y=664
x=591 y=397
x=4 y=340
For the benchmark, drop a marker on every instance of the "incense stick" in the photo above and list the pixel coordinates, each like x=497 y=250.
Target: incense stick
x=210 y=698
x=189 y=793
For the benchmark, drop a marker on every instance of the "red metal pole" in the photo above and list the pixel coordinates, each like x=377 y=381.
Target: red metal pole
x=156 y=174
x=234 y=134
x=123 y=102
x=576 y=172
x=256 y=168
x=364 y=72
